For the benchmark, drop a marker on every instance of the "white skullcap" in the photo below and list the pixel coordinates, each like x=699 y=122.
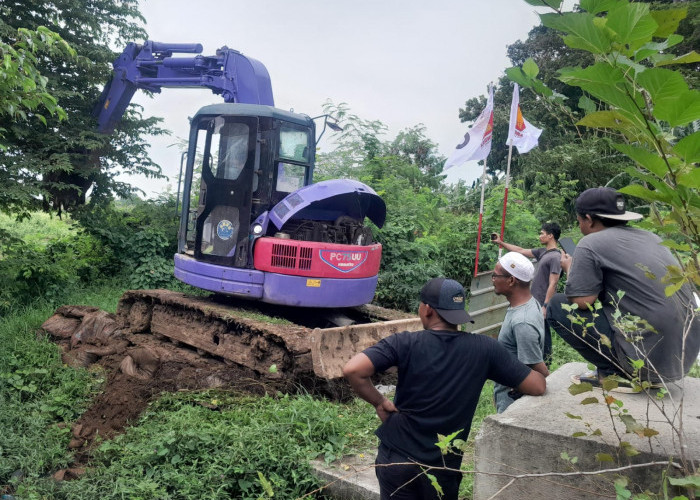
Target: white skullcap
x=517 y=265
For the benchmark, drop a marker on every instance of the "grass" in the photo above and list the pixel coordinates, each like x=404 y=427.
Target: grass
x=210 y=444
x=40 y=229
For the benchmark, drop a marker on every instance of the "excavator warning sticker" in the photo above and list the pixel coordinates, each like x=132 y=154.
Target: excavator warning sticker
x=344 y=261
x=313 y=283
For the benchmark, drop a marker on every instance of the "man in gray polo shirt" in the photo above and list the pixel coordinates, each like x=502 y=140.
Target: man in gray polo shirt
x=544 y=284
x=522 y=331
x=613 y=259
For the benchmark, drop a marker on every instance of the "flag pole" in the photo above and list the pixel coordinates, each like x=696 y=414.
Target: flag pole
x=481 y=217
x=505 y=195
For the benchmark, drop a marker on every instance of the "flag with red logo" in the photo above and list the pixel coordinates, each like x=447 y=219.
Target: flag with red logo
x=521 y=133
x=477 y=141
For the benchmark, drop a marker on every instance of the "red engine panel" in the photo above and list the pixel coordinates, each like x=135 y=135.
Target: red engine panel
x=317 y=260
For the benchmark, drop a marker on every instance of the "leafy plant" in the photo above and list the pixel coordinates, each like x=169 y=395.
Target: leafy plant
x=630 y=90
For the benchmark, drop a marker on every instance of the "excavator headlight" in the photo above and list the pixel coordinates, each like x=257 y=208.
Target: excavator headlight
x=257 y=229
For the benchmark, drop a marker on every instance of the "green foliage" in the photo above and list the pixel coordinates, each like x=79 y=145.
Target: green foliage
x=51 y=163
x=647 y=105
x=41 y=265
x=44 y=258
x=245 y=448
x=23 y=91
x=138 y=236
x=39 y=397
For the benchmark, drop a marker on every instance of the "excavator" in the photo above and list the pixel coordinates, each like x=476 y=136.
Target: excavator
x=252 y=223
x=253 y=228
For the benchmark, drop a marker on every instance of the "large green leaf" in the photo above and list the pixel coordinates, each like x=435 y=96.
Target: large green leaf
x=581 y=29
x=515 y=74
x=686 y=482
x=587 y=104
x=555 y=4
x=689 y=58
x=530 y=68
x=651 y=48
x=608 y=84
x=668 y=20
x=605 y=119
x=672 y=100
x=688 y=148
x=647 y=159
x=631 y=23
x=598 y=6
x=620 y=121
x=645 y=194
x=690 y=179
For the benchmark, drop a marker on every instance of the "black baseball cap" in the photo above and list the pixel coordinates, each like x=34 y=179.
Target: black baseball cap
x=604 y=202
x=447 y=298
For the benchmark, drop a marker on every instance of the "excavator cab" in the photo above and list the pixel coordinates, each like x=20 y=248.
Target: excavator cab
x=244 y=159
x=252 y=223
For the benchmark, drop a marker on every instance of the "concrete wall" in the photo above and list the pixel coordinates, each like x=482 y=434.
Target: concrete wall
x=532 y=434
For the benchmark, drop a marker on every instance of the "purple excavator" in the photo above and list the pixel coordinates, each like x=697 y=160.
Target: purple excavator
x=252 y=226
x=252 y=223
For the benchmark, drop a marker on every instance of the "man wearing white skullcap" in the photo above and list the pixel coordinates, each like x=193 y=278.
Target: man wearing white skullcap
x=522 y=331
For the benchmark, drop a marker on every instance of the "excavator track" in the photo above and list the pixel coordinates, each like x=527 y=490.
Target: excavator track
x=274 y=342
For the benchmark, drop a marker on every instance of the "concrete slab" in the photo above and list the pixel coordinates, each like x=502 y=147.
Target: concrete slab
x=351 y=478
x=532 y=434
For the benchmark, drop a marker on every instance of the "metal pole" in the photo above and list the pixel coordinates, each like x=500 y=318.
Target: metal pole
x=179 y=182
x=481 y=217
x=505 y=195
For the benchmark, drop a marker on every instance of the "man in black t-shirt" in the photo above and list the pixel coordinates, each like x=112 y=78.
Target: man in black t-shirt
x=441 y=372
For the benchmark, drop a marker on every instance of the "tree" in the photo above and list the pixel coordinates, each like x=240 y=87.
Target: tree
x=56 y=163
x=23 y=96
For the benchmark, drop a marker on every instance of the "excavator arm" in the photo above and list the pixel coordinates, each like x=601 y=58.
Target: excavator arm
x=151 y=66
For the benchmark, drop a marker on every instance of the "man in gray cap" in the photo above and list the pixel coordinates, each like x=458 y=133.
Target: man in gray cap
x=624 y=267
x=441 y=372
x=522 y=332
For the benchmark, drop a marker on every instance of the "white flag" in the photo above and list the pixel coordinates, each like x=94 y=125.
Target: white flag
x=477 y=141
x=521 y=133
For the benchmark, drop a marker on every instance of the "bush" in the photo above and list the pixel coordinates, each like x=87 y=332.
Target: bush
x=140 y=238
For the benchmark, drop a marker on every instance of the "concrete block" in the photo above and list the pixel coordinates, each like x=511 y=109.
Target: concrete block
x=530 y=436
x=351 y=478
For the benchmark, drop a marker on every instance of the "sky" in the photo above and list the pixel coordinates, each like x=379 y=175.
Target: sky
x=402 y=62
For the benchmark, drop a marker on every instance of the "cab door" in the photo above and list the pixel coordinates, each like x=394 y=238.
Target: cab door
x=227 y=181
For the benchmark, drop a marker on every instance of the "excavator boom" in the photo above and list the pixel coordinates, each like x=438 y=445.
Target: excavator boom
x=152 y=66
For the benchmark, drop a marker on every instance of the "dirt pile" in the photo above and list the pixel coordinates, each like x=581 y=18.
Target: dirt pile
x=138 y=367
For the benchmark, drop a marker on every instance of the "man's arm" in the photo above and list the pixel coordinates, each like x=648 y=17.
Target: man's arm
x=358 y=372
x=588 y=276
x=534 y=384
x=541 y=368
x=514 y=248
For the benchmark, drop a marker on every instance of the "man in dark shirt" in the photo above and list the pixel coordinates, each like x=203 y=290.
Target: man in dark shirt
x=624 y=268
x=441 y=372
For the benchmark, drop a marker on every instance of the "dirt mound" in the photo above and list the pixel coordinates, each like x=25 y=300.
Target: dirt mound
x=138 y=368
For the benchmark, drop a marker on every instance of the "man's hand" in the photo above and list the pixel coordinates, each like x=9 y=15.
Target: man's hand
x=544 y=312
x=384 y=409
